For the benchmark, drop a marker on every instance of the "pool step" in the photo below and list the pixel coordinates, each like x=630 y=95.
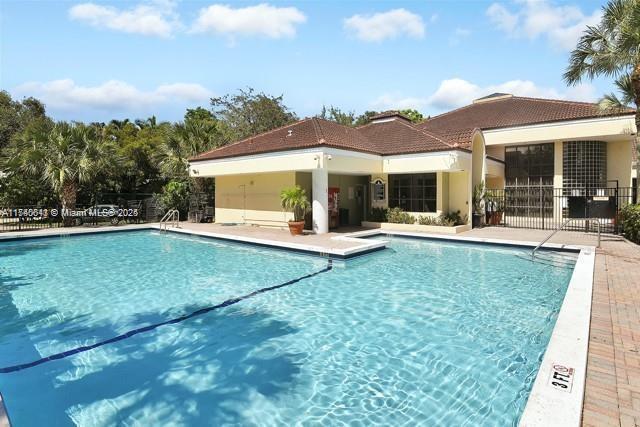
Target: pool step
x=554 y=259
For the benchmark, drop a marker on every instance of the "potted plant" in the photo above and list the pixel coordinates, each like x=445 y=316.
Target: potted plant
x=478 y=204
x=294 y=199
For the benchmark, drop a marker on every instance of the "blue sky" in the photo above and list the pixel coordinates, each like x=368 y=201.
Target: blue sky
x=94 y=61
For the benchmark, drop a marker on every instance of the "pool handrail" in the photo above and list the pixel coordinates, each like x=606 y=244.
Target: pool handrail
x=171 y=217
x=561 y=226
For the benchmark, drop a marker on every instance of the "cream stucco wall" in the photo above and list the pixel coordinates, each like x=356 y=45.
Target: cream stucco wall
x=252 y=198
x=619 y=162
x=427 y=162
x=460 y=193
x=594 y=129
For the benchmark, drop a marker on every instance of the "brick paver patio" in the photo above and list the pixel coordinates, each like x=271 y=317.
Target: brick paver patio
x=612 y=394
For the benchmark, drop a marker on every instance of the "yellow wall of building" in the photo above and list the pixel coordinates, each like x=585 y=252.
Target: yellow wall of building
x=619 y=162
x=459 y=192
x=252 y=198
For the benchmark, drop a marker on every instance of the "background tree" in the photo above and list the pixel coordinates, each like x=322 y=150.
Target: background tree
x=248 y=113
x=63 y=156
x=365 y=118
x=337 y=115
x=612 y=49
x=414 y=115
x=15 y=115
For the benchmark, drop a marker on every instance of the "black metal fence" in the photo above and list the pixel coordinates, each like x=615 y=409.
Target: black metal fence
x=546 y=207
x=110 y=210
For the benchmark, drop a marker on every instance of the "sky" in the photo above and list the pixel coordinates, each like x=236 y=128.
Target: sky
x=96 y=61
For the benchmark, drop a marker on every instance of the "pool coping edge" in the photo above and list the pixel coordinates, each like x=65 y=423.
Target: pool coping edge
x=4 y=417
x=568 y=346
x=363 y=247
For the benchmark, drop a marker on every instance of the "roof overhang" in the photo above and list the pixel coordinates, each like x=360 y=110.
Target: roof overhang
x=336 y=161
x=438 y=161
x=609 y=128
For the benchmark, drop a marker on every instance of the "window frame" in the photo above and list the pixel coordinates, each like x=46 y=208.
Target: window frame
x=416 y=192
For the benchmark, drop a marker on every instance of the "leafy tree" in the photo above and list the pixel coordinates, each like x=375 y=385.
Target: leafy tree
x=15 y=116
x=62 y=156
x=337 y=115
x=175 y=195
x=249 y=113
x=612 y=49
x=365 y=118
x=137 y=145
x=414 y=115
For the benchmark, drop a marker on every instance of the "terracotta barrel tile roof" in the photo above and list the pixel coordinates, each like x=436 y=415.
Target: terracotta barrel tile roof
x=400 y=137
x=448 y=131
x=394 y=136
x=507 y=111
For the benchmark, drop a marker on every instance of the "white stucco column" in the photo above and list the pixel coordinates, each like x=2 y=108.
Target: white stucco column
x=320 y=205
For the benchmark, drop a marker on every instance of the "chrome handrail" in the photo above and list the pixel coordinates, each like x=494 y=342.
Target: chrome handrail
x=596 y=220
x=172 y=216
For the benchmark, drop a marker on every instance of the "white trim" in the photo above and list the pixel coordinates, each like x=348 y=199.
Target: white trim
x=558 y=123
x=363 y=245
x=459 y=153
x=332 y=151
x=314 y=150
x=387 y=119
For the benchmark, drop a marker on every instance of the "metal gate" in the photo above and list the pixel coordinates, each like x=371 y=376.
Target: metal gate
x=545 y=207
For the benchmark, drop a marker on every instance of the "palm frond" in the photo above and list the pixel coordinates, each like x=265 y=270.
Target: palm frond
x=610 y=103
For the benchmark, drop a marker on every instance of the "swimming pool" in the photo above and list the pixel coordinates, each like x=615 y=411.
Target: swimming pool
x=425 y=332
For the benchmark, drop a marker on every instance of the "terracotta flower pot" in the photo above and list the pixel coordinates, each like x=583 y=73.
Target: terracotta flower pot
x=496 y=218
x=296 y=227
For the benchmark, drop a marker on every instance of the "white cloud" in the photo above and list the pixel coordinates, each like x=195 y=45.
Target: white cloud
x=502 y=18
x=261 y=20
x=386 y=25
x=397 y=102
x=112 y=95
x=560 y=25
x=459 y=34
x=454 y=93
x=155 y=18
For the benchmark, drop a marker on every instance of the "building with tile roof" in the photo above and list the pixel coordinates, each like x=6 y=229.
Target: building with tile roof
x=427 y=168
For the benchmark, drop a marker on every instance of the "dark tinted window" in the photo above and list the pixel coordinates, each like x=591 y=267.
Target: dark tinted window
x=529 y=164
x=413 y=192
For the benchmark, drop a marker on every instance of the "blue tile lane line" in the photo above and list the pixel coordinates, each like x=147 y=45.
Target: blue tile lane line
x=137 y=331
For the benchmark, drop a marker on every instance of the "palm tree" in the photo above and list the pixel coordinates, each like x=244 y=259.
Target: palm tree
x=612 y=48
x=64 y=156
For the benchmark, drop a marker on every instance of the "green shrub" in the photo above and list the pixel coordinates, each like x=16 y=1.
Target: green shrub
x=175 y=195
x=398 y=216
x=452 y=218
x=294 y=199
x=378 y=215
x=427 y=220
x=630 y=217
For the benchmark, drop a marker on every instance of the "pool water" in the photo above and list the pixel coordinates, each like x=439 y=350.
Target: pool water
x=421 y=333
